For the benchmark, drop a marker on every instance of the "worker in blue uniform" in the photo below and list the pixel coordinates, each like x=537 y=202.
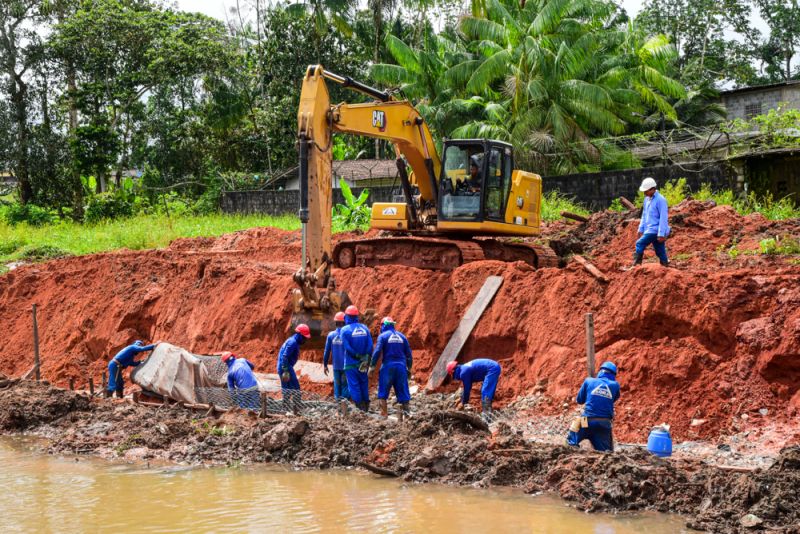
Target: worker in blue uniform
x=124 y=358
x=287 y=358
x=335 y=350
x=654 y=225
x=393 y=347
x=242 y=382
x=357 y=343
x=598 y=396
x=480 y=370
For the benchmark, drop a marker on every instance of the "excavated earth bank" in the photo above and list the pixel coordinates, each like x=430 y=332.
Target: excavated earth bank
x=428 y=448
x=710 y=346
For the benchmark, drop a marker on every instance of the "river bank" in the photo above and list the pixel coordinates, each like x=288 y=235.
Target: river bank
x=430 y=447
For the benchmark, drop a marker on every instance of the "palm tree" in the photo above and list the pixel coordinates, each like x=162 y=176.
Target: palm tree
x=550 y=75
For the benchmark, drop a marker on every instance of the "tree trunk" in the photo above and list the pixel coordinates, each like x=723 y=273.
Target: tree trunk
x=18 y=94
x=77 y=184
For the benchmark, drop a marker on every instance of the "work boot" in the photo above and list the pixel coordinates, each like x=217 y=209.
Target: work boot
x=664 y=263
x=486 y=407
x=637 y=260
x=363 y=406
x=107 y=393
x=405 y=411
x=119 y=393
x=383 y=405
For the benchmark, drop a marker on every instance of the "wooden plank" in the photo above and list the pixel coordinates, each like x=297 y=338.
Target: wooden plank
x=591 y=269
x=590 y=368
x=460 y=336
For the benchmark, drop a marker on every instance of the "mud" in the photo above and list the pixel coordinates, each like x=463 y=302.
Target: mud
x=428 y=448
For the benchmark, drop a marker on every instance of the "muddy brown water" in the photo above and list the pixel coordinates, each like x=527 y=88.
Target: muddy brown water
x=42 y=493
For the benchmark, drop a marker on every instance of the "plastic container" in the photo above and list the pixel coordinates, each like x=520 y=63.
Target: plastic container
x=660 y=442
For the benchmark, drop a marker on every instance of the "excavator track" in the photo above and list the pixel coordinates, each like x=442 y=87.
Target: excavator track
x=439 y=254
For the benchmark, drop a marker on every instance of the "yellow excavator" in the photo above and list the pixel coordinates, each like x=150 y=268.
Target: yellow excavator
x=453 y=208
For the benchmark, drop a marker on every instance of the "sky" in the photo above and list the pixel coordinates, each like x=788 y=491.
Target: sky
x=218 y=8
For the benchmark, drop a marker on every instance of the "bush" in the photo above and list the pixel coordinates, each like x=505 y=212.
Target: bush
x=788 y=246
x=553 y=203
x=105 y=206
x=28 y=213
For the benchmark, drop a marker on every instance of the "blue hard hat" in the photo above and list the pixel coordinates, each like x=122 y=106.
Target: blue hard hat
x=610 y=367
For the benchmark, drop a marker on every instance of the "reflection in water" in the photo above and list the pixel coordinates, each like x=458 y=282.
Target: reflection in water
x=42 y=493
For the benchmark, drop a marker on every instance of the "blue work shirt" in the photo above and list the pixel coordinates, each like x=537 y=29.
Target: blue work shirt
x=125 y=357
x=357 y=341
x=334 y=348
x=598 y=395
x=474 y=371
x=290 y=351
x=654 y=216
x=394 y=346
x=240 y=374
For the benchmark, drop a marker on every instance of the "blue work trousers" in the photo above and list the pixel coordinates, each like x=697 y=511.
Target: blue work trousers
x=357 y=385
x=652 y=239
x=115 y=380
x=249 y=398
x=394 y=375
x=340 y=385
x=599 y=433
x=489 y=385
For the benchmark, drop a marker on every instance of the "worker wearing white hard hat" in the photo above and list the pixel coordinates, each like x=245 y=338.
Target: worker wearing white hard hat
x=654 y=226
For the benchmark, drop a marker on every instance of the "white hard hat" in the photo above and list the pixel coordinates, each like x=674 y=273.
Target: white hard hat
x=647 y=183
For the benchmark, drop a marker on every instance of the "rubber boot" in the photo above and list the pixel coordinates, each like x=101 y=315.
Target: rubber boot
x=486 y=408
x=637 y=260
x=363 y=406
x=405 y=411
x=107 y=393
x=664 y=263
x=119 y=393
x=383 y=404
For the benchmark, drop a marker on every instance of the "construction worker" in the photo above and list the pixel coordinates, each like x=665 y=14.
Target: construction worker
x=475 y=180
x=123 y=359
x=598 y=396
x=334 y=349
x=242 y=383
x=287 y=358
x=654 y=226
x=357 y=343
x=395 y=368
x=480 y=370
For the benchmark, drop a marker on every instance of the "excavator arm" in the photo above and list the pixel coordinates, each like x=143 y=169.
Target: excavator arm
x=316 y=300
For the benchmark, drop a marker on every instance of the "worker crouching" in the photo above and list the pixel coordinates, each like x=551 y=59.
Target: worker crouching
x=123 y=359
x=480 y=370
x=395 y=351
x=357 y=343
x=598 y=396
x=287 y=358
x=242 y=383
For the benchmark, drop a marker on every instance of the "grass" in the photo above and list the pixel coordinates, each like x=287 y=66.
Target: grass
x=553 y=203
x=36 y=243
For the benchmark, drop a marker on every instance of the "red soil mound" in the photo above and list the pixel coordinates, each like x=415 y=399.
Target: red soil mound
x=711 y=340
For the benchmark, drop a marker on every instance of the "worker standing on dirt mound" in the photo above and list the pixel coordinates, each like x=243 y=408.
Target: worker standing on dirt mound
x=480 y=370
x=654 y=226
x=287 y=358
x=335 y=350
x=123 y=359
x=242 y=383
x=395 y=368
x=598 y=396
x=357 y=342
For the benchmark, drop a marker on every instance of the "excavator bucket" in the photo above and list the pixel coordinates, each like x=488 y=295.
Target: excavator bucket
x=320 y=318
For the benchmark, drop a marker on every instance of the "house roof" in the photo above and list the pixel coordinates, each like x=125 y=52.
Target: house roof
x=365 y=169
x=755 y=88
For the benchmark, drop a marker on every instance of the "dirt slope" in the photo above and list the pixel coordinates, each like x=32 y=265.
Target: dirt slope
x=710 y=340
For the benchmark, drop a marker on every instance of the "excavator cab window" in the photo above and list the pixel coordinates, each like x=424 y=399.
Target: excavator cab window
x=463 y=172
x=498 y=181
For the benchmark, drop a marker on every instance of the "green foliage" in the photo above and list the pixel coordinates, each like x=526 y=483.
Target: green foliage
x=108 y=206
x=34 y=253
x=674 y=191
x=27 y=213
x=354 y=213
x=787 y=245
x=553 y=203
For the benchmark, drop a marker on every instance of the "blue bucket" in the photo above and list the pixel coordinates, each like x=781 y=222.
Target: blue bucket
x=660 y=442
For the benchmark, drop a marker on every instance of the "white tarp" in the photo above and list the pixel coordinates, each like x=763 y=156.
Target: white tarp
x=176 y=373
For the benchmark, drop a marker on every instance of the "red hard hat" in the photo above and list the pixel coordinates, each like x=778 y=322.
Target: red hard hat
x=303 y=330
x=451 y=366
x=351 y=310
x=227 y=355
x=388 y=320
x=339 y=317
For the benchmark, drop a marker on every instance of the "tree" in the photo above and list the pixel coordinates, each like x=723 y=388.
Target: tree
x=783 y=18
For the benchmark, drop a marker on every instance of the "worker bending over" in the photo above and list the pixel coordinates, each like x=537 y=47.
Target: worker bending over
x=242 y=383
x=287 y=358
x=480 y=370
x=598 y=396
x=654 y=226
x=123 y=359
x=335 y=350
x=357 y=343
x=395 y=368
